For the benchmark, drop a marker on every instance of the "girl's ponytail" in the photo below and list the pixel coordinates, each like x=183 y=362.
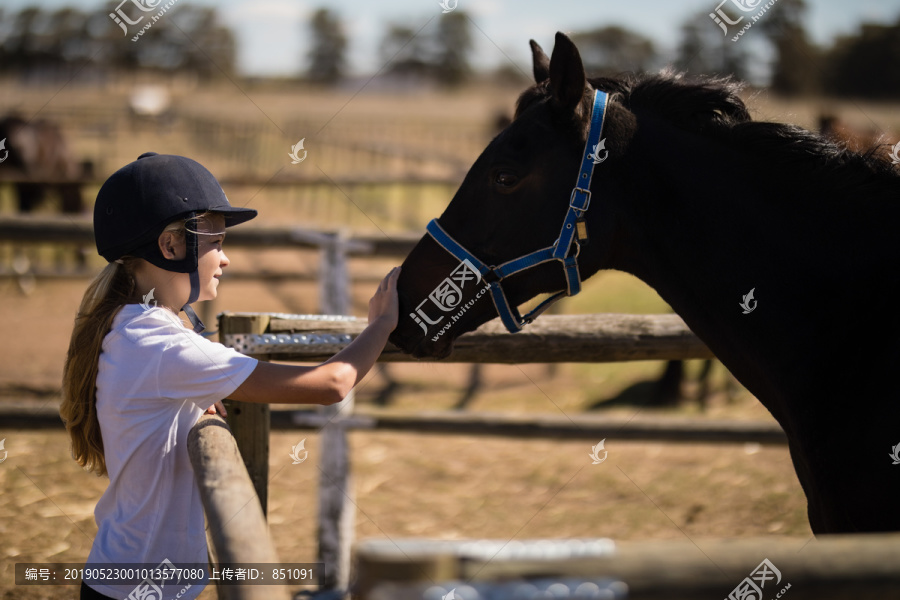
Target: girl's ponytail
x=108 y=292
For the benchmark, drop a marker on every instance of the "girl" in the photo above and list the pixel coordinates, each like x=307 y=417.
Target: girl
x=136 y=379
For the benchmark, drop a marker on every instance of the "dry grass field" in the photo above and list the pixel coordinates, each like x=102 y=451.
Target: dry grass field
x=436 y=486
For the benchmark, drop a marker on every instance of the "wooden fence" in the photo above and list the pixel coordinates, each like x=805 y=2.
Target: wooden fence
x=282 y=337
x=405 y=146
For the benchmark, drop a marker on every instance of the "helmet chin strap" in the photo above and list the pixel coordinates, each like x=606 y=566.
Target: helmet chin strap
x=196 y=323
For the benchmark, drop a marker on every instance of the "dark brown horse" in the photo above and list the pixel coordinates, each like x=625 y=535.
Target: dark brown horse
x=705 y=205
x=40 y=160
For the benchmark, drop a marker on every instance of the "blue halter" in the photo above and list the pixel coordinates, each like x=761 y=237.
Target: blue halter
x=573 y=224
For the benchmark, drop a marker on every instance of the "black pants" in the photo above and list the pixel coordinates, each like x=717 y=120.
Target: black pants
x=88 y=593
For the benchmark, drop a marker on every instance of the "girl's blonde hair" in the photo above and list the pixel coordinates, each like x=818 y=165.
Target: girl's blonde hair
x=112 y=289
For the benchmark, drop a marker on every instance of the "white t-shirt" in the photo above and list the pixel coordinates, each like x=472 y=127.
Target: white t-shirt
x=156 y=378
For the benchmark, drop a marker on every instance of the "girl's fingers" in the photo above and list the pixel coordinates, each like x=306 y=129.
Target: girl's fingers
x=389 y=278
x=218 y=407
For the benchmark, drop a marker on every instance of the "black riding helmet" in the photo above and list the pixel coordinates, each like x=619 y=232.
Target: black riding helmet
x=139 y=200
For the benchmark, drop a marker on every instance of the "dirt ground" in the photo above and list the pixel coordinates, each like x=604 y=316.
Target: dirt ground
x=446 y=487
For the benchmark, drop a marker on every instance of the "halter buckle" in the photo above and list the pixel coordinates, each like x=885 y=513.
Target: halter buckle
x=577 y=194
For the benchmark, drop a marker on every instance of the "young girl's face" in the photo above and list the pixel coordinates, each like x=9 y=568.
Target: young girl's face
x=212 y=259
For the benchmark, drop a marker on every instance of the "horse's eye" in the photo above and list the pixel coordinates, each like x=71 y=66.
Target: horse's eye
x=506 y=179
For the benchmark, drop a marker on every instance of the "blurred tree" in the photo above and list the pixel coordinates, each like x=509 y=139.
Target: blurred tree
x=111 y=50
x=404 y=52
x=611 y=50
x=441 y=54
x=453 y=42
x=203 y=45
x=40 y=44
x=70 y=43
x=21 y=45
x=4 y=35
x=865 y=64
x=703 y=50
x=797 y=60
x=329 y=46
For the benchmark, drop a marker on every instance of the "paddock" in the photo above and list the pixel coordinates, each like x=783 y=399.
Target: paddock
x=830 y=566
x=587 y=338
x=441 y=426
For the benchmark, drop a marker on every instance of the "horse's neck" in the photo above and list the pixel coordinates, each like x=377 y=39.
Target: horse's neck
x=704 y=225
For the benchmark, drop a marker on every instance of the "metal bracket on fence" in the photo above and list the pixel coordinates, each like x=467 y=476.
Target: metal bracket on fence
x=276 y=343
x=295 y=316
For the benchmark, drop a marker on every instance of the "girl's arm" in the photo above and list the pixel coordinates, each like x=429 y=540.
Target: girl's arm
x=331 y=381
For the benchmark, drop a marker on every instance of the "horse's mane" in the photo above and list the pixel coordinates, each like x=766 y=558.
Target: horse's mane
x=711 y=106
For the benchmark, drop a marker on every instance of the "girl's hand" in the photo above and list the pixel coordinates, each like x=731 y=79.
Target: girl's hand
x=217 y=406
x=384 y=305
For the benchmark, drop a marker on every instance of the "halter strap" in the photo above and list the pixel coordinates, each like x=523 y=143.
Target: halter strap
x=573 y=224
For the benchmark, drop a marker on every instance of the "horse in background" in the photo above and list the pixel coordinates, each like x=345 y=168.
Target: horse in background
x=38 y=160
x=39 y=154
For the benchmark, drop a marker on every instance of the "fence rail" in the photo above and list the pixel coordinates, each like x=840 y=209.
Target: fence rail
x=79 y=230
x=552 y=338
x=667 y=429
x=577 y=427
x=253 y=181
x=237 y=526
x=854 y=567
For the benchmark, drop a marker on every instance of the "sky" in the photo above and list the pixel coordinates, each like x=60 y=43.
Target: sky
x=273 y=38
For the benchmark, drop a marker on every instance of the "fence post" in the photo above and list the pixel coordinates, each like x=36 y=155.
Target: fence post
x=237 y=524
x=249 y=421
x=336 y=505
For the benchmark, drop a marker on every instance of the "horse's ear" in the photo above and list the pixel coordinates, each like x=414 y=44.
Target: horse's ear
x=541 y=63
x=567 y=79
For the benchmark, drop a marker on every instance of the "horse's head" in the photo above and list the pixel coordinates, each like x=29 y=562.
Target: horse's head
x=512 y=202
